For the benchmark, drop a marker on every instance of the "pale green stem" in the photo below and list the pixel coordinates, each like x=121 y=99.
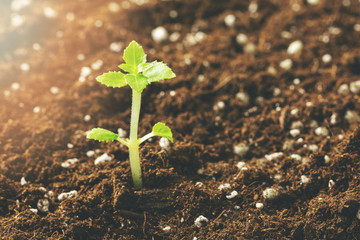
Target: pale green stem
x=146 y=137
x=123 y=141
x=133 y=141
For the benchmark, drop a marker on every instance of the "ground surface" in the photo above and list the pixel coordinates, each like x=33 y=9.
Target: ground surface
x=316 y=176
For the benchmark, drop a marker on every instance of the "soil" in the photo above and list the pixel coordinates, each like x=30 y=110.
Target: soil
x=318 y=188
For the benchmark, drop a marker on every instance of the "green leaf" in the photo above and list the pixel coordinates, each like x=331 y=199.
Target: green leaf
x=161 y=130
x=137 y=82
x=133 y=56
x=102 y=135
x=112 y=79
x=156 y=71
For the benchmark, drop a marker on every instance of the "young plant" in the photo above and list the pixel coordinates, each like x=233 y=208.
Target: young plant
x=139 y=74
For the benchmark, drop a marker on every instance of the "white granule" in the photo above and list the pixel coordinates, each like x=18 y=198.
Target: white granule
x=286 y=64
x=174 y=36
x=295 y=47
x=241 y=39
x=313 y=2
x=229 y=20
x=358 y=214
x=326 y=159
x=15 y=86
x=34 y=210
x=355 y=87
x=240 y=165
x=219 y=106
x=273 y=156
x=200 y=221
x=87 y=118
x=259 y=205
x=296 y=157
x=116 y=47
x=343 y=89
x=321 y=131
x=25 y=67
x=90 y=153
x=23 y=181
x=232 y=195
x=331 y=184
x=97 y=64
x=326 y=58
x=49 y=12
x=67 y=195
x=102 y=159
x=294 y=132
x=243 y=97
x=69 y=162
x=313 y=147
x=351 y=117
x=159 y=34
x=166 y=229
x=296 y=125
x=43 y=205
x=224 y=186
x=241 y=149
x=270 y=193
x=113 y=7
x=70 y=145
x=199 y=184
x=164 y=143
x=304 y=179
x=54 y=90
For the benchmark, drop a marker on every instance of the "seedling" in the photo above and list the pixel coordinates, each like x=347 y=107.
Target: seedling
x=139 y=74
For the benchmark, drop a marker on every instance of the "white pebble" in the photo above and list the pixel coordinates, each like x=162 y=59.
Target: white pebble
x=85 y=71
x=70 y=145
x=159 y=34
x=340 y=137
x=343 y=89
x=304 y=179
x=200 y=171
x=333 y=119
x=102 y=159
x=355 y=87
x=276 y=92
x=326 y=58
x=242 y=39
x=122 y=133
x=351 y=116
x=273 y=156
x=294 y=112
x=259 y=205
x=166 y=229
x=116 y=47
x=313 y=147
x=70 y=16
x=199 y=221
x=294 y=132
x=23 y=181
x=15 y=86
x=241 y=149
x=331 y=184
x=113 y=7
x=326 y=159
x=80 y=57
x=49 y=12
x=199 y=184
x=219 y=106
x=243 y=97
x=174 y=36
x=69 y=162
x=286 y=64
x=297 y=125
x=67 y=195
x=97 y=64
x=295 y=47
x=173 y=14
x=34 y=210
x=296 y=81
x=36 y=109
x=296 y=157
x=358 y=214
x=321 y=131
x=313 y=2
x=314 y=124
x=98 y=23
x=87 y=118
x=172 y=93
x=25 y=67
x=54 y=90
x=240 y=165
x=232 y=195
x=164 y=143
x=250 y=48
x=224 y=186
x=357 y=27
x=90 y=153
x=229 y=20
x=270 y=193
x=43 y=205
x=309 y=104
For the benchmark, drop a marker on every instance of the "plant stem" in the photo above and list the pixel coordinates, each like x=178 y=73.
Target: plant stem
x=133 y=142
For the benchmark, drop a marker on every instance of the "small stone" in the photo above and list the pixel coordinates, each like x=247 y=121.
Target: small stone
x=199 y=184
x=67 y=195
x=243 y=97
x=49 y=12
x=304 y=179
x=326 y=58
x=286 y=64
x=355 y=87
x=34 y=210
x=173 y=14
x=232 y=195
x=259 y=205
x=200 y=221
x=321 y=131
x=270 y=193
x=90 y=153
x=296 y=157
x=114 y=7
x=313 y=147
x=69 y=162
x=351 y=117
x=326 y=159
x=159 y=34
x=122 y=133
x=294 y=132
x=174 y=36
x=297 y=125
x=36 y=109
x=116 y=47
x=23 y=181
x=240 y=165
x=358 y=214
x=313 y=2
x=250 y=48
x=54 y=90
x=230 y=20
x=331 y=184
x=25 y=67
x=224 y=186
x=70 y=145
x=43 y=205
x=343 y=89
x=241 y=39
x=102 y=159
x=273 y=156
x=241 y=149
x=219 y=106
x=97 y=64
x=295 y=47
x=164 y=143
x=167 y=229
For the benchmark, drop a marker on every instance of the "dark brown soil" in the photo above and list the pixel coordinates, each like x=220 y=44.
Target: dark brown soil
x=182 y=184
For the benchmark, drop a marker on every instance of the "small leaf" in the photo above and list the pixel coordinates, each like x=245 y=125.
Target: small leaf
x=133 y=56
x=102 y=135
x=112 y=79
x=156 y=71
x=161 y=130
x=137 y=82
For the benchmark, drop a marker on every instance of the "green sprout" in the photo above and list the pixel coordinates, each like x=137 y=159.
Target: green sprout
x=139 y=74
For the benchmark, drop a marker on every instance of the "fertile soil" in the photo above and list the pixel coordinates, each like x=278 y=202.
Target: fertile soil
x=315 y=171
